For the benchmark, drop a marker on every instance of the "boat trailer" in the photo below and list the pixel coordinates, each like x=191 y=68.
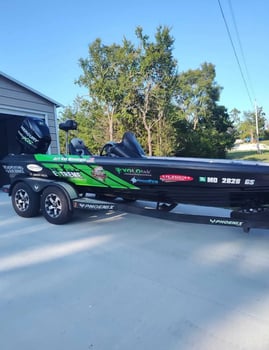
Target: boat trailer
x=242 y=219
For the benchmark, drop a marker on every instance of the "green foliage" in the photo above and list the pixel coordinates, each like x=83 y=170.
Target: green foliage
x=248 y=127
x=153 y=86
x=107 y=73
x=90 y=124
x=133 y=86
x=249 y=155
x=138 y=88
x=203 y=128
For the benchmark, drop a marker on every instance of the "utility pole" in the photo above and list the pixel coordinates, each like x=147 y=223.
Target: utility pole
x=257 y=129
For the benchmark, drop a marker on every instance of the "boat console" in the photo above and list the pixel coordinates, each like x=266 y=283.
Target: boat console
x=129 y=147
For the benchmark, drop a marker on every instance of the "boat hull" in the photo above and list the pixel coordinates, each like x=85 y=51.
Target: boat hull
x=221 y=183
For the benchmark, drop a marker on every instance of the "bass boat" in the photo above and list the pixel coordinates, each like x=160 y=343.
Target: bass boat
x=123 y=170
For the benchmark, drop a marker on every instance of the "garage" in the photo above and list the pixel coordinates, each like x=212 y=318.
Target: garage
x=18 y=101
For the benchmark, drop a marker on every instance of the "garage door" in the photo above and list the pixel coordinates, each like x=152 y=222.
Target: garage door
x=8 y=129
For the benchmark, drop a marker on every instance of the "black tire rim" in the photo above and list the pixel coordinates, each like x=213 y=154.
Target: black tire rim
x=22 y=200
x=53 y=205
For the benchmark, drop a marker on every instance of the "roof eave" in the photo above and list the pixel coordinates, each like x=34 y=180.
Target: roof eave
x=57 y=104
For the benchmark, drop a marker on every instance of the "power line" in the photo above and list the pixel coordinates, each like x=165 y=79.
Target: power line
x=241 y=48
x=235 y=53
x=240 y=68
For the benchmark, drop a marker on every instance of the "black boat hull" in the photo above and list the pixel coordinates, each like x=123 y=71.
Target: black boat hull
x=207 y=182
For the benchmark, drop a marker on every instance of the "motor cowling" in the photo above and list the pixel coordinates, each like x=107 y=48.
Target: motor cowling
x=33 y=136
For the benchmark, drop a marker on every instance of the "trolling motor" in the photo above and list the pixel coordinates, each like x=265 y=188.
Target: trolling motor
x=33 y=136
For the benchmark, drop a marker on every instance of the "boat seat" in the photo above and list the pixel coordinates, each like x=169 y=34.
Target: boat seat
x=78 y=147
x=68 y=125
x=129 y=147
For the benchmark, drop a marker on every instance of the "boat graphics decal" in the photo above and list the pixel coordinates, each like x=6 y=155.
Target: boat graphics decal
x=227 y=221
x=86 y=174
x=133 y=171
x=144 y=181
x=175 y=178
x=13 y=169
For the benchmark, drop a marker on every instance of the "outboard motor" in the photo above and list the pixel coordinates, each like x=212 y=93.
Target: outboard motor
x=33 y=136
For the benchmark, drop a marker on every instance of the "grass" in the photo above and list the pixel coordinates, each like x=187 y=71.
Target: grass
x=250 y=155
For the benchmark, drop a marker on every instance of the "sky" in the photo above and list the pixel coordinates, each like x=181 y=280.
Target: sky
x=41 y=42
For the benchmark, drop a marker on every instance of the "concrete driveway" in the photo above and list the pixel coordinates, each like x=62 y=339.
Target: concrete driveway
x=125 y=282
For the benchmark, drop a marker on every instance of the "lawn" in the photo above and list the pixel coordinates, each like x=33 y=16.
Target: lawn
x=250 y=154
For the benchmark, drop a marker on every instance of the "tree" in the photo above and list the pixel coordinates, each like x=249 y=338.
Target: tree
x=235 y=116
x=132 y=85
x=137 y=87
x=248 y=127
x=203 y=127
x=90 y=124
x=155 y=81
x=106 y=73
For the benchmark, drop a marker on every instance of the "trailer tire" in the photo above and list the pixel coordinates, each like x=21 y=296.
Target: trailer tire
x=55 y=205
x=25 y=201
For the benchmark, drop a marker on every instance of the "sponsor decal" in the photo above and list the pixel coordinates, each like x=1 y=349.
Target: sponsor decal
x=68 y=159
x=175 y=178
x=144 y=181
x=226 y=222
x=39 y=175
x=13 y=169
x=60 y=173
x=34 y=167
x=99 y=173
x=133 y=171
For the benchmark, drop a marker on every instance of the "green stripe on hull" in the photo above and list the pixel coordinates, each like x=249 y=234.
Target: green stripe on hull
x=80 y=172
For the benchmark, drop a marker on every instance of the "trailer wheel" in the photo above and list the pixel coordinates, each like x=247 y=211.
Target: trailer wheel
x=55 y=205
x=25 y=201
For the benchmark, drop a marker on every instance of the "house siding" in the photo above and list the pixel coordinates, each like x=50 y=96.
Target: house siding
x=24 y=102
